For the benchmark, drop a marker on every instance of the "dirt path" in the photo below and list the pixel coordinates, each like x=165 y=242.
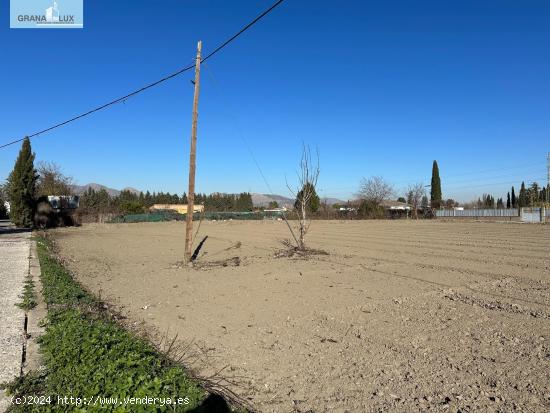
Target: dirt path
x=14 y=267
x=400 y=316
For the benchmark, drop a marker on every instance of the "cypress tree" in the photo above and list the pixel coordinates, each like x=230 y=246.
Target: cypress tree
x=508 y=202
x=514 y=200
x=435 y=191
x=522 y=196
x=22 y=187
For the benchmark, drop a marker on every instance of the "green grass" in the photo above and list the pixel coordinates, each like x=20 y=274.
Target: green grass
x=88 y=355
x=28 y=298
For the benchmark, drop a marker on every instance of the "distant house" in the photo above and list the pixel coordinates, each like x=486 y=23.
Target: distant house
x=283 y=209
x=179 y=208
x=396 y=209
x=395 y=205
x=7 y=206
x=274 y=212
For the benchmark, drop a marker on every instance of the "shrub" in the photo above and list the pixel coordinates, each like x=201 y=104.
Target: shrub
x=131 y=207
x=370 y=210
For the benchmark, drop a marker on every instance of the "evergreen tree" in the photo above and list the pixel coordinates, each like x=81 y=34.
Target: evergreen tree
x=147 y=200
x=244 y=202
x=435 y=191
x=514 y=200
x=100 y=202
x=533 y=194
x=314 y=202
x=3 y=209
x=22 y=187
x=500 y=203
x=522 y=200
x=488 y=201
x=508 y=202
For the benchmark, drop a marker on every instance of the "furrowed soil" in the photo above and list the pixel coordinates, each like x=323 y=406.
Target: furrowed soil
x=399 y=316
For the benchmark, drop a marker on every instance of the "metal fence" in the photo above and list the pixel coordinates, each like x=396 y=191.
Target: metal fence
x=512 y=212
x=534 y=214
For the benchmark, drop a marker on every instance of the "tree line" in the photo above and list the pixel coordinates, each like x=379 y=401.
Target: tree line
x=26 y=184
x=533 y=196
x=128 y=202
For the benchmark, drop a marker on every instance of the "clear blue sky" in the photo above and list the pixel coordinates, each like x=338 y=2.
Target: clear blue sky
x=380 y=88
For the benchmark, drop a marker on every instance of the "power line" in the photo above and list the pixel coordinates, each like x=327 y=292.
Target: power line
x=449 y=183
x=217 y=49
x=450 y=178
x=238 y=128
x=510 y=175
x=493 y=183
x=113 y=102
x=150 y=85
x=462 y=185
x=503 y=168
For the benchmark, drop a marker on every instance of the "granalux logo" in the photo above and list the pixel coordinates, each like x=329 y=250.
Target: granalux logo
x=50 y=14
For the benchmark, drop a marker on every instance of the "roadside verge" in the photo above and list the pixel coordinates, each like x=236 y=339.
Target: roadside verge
x=92 y=363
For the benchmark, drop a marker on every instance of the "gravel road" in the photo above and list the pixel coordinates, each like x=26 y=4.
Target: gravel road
x=14 y=266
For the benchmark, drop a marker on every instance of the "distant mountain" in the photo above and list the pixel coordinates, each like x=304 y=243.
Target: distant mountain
x=263 y=200
x=332 y=201
x=132 y=190
x=80 y=189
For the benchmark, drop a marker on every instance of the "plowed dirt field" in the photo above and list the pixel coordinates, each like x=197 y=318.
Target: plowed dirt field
x=398 y=315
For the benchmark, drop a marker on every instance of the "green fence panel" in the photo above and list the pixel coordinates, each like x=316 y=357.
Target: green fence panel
x=211 y=215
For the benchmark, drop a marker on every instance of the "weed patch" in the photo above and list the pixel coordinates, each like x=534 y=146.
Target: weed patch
x=90 y=357
x=28 y=298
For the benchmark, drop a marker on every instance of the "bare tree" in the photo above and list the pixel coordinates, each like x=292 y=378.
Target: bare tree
x=308 y=175
x=374 y=190
x=52 y=181
x=3 y=191
x=415 y=193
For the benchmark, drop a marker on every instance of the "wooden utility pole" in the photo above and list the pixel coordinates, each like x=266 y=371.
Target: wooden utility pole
x=192 y=157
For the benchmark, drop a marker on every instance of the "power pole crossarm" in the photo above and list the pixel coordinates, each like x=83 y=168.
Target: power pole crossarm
x=192 y=160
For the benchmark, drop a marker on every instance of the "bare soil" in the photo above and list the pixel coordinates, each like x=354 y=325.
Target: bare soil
x=399 y=316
